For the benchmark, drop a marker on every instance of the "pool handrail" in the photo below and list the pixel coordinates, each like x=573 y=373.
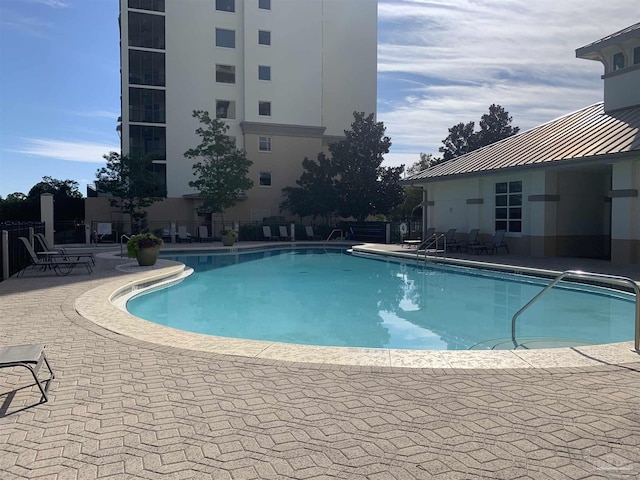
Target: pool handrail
x=432 y=240
x=585 y=275
x=334 y=231
x=122 y=237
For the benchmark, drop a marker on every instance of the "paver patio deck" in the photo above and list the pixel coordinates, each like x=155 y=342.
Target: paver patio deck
x=125 y=408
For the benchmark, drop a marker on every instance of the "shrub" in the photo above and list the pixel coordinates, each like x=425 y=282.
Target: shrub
x=142 y=240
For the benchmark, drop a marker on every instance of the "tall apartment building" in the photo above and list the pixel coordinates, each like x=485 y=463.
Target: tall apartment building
x=285 y=75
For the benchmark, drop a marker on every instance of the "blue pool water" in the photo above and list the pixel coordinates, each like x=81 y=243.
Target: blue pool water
x=319 y=297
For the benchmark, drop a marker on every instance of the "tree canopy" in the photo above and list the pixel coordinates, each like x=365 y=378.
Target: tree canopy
x=363 y=187
x=462 y=138
x=221 y=169
x=133 y=187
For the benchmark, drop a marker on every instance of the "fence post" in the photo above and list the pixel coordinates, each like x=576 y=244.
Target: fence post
x=388 y=233
x=5 y=254
x=31 y=235
x=293 y=232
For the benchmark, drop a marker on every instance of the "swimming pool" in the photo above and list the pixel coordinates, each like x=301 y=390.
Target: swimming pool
x=328 y=297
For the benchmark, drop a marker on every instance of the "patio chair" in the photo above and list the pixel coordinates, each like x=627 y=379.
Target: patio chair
x=46 y=249
x=30 y=357
x=472 y=240
x=450 y=240
x=284 y=234
x=203 y=234
x=52 y=261
x=498 y=242
x=266 y=233
x=183 y=235
x=310 y=235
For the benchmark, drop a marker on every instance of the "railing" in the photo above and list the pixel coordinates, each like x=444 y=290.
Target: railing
x=123 y=236
x=586 y=275
x=431 y=241
x=334 y=231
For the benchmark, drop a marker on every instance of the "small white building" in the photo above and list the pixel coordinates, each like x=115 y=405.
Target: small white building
x=285 y=76
x=565 y=188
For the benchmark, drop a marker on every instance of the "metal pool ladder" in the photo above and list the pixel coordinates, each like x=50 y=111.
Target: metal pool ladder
x=586 y=275
x=433 y=240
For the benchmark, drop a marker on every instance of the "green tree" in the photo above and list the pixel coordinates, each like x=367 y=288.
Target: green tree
x=494 y=126
x=221 y=169
x=315 y=195
x=133 y=186
x=426 y=160
x=59 y=188
x=363 y=187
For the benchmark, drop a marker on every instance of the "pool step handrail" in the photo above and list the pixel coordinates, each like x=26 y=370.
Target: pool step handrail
x=334 y=231
x=433 y=240
x=122 y=237
x=579 y=274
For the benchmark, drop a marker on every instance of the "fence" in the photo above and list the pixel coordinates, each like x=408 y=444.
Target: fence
x=16 y=256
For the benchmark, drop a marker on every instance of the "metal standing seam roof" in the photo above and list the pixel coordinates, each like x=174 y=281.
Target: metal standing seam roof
x=586 y=133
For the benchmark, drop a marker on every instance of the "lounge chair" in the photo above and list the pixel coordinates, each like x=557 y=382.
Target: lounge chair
x=183 y=235
x=493 y=245
x=310 y=235
x=203 y=234
x=47 y=250
x=498 y=241
x=421 y=244
x=52 y=261
x=266 y=233
x=472 y=240
x=450 y=241
x=284 y=235
x=30 y=357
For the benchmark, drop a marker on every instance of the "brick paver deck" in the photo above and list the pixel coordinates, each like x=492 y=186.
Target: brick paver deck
x=124 y=408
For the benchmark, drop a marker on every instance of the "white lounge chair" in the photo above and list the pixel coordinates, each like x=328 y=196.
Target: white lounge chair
x=47 y=249
x=183 y=235
x=52 y=260
x=266 y=233
x=310 y=235
x=284 y=235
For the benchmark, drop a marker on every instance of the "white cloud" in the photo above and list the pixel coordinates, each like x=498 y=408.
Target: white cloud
x=63 y=150
x=100 y=114
x=447 y=62
x=52 y=3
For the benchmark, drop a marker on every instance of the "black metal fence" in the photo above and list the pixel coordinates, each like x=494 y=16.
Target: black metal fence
x=18 y=255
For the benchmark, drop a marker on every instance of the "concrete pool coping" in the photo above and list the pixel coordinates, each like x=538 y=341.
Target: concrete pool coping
x=97 y=305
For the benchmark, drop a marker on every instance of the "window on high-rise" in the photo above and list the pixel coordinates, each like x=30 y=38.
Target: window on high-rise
x=146 y=68
x=159 y=170
x=225 y=73
x=154 y=5
x=618 y=61
x=264 y=144
x=146 y=30
x=145 y=140
x=636 y=56
x=264 y=37
x=264 y=109
x=264 y=4
x=225 y=109
x=225 y=38
x=264 y=72
x=265 y=179
x=508 y=208
x=226 y=5
x=147 y=105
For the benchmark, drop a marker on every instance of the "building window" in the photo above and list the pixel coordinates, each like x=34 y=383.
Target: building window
x=264 y=72
x=225 y=38
x=154 y=5
x=264 y=4
x=618 y=61
x=225 y=73
x=265 y=179
x=146 y=68
x=145 y=140
x=264 y=37
x=509 y=206
x=636 y=55
x=264 y=144
x=226 y=5
x=264 y=109
x=146 y=30
x=159 y=170
x=146 y=105
x=225 y=109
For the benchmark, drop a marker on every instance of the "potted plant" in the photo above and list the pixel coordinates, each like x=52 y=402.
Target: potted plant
x=145 y=248
x=229 y=237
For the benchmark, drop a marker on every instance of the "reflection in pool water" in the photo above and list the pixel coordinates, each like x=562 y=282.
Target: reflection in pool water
x=328 y=297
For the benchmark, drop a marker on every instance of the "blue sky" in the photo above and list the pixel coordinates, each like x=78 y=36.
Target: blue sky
x=439 y=63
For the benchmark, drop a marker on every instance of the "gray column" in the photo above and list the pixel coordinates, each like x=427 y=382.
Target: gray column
x=46 y=215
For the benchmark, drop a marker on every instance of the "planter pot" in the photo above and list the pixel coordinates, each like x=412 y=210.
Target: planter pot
x=147 y=256
x=228 y=240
